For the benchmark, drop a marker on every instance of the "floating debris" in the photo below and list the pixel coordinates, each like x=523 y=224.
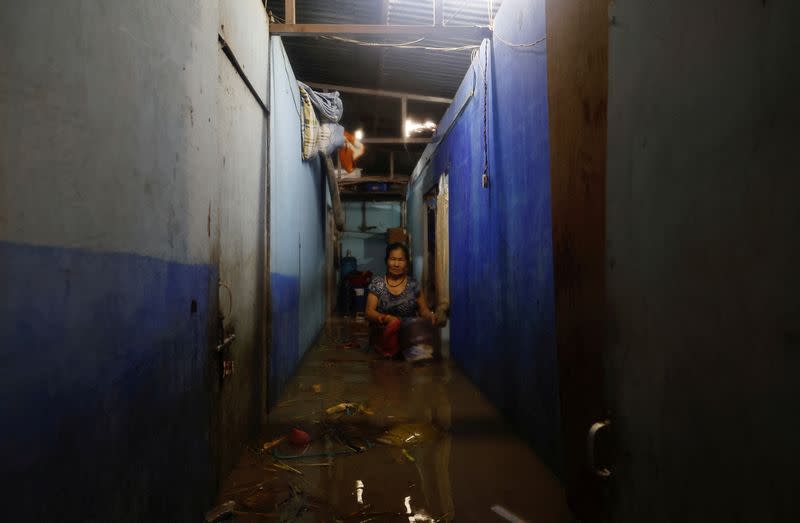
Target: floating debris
x=220 y=512
x=349 y=409
x=277 y=441
x=507 y=514
x=284 y=466
x=407 y=434
x=408 y=456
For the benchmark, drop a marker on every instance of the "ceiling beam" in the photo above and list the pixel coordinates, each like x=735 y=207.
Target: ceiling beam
x=375 y=196
x=467 y=33
x=396 y=140
x=368 y=179
x=288 y=8
x=380 y=92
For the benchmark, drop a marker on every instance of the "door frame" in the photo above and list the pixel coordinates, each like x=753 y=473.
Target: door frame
x=577 y=71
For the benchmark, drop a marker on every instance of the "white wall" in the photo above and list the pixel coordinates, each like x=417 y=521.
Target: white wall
x=108 y=130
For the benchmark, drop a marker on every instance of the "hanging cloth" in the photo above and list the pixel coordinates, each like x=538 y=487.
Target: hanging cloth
x=352 y=151
x=331 y=137
x=329 y=105
x=442 y=250
x=310 y=126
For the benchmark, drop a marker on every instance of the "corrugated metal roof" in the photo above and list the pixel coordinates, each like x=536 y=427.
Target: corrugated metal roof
x=421 y=71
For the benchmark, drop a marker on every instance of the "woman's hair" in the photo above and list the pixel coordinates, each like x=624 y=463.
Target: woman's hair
x=393 y=247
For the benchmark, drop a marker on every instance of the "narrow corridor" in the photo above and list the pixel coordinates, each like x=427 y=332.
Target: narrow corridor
x=427 y=440
x=590 y=206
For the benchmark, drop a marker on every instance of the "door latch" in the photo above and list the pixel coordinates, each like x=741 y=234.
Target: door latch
x=590 y=448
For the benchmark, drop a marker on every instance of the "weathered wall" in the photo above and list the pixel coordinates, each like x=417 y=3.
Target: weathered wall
x=241 y=178
x=501 y=273
x=703 y=257
x=297 y=230
x=115 y=122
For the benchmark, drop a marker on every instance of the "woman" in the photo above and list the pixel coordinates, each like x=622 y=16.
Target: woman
x=394 y=297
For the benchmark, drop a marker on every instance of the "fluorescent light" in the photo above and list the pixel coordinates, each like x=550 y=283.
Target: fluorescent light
x=415 y=127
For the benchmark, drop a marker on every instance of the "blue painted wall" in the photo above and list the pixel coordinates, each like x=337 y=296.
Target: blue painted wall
x=501 y=274
x=133 y=167
x=104 y=382
x=297 y=230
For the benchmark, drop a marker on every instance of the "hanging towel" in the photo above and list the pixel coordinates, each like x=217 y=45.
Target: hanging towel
x=331 y=137
x=310 y=126
x=329 y=105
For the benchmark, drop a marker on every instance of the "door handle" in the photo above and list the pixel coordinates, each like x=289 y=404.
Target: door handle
x=590 y=447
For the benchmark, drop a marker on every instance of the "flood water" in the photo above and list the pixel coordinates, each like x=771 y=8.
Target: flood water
x=412 y=443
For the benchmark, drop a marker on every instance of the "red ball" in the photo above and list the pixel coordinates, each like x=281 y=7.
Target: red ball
x=299 y=437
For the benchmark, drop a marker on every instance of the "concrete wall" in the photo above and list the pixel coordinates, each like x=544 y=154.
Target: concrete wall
x=703 y=257
x=501 y=273
x=241 y=177
x=297 y=230
x=131 y=178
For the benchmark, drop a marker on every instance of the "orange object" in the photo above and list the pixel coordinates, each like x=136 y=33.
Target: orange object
x=350 y=152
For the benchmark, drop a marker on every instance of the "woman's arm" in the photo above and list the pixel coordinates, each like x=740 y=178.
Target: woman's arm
x=372 y=313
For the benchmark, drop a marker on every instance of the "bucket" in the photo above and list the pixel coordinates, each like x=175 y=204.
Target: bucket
x=359 y=299
x=417 y=331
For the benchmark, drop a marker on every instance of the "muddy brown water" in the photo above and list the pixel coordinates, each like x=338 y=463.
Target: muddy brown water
x=417 y=443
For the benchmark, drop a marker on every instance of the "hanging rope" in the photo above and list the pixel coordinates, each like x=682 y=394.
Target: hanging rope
x=485 y=115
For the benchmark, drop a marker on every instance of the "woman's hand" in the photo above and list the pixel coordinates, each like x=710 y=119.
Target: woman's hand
x=386 y=319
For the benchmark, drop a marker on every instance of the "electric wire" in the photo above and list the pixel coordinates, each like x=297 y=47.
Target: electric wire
x=403 y=45
x=372 y=44
x=410 y=44
x=510 y=44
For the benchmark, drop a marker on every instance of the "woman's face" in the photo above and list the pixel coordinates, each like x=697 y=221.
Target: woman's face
x=396 y=263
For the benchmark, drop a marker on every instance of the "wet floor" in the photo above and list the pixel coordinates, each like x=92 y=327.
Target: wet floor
x=390 y=441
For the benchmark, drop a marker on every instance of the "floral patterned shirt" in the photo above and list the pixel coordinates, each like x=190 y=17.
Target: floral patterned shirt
x=404 y=305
